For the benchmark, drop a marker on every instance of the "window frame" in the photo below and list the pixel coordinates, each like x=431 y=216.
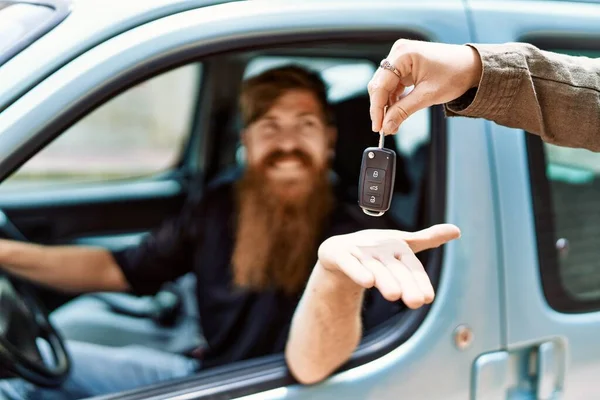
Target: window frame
x=555 y=293
x=266 y=373
x=270 y=372
x=62 y=9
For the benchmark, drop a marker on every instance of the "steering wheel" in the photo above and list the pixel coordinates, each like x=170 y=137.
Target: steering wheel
x=23 y=322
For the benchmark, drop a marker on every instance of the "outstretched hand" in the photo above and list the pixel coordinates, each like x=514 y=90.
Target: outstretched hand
x=386 y=259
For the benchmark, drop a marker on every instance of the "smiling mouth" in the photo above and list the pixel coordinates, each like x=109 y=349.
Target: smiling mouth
x=288 y=163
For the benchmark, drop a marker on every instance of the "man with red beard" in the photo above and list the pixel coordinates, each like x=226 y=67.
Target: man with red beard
x=277 y=261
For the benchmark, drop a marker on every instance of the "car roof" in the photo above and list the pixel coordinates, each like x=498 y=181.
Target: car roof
x=89 y=23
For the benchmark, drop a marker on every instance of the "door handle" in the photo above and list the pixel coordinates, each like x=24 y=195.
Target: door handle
x=536 y=371
x=550 y=371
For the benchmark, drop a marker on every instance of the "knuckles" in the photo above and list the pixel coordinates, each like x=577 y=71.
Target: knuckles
x=372 y=86
x=392 y=296
x=400 y=44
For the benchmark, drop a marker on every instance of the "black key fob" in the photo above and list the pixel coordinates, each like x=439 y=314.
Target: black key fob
x=376 y=182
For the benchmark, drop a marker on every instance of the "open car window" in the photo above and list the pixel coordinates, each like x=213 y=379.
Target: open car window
x=21 y=23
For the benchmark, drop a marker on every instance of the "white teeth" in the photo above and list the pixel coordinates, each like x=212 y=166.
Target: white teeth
x=287 y=163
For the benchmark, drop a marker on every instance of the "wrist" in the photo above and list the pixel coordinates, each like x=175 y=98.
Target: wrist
x=476 y=67
x=3 y=251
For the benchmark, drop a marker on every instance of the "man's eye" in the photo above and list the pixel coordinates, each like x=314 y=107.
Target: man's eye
x=270 y=128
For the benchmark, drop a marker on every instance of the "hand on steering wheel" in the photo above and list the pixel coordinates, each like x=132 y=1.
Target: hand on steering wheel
x=22 y=323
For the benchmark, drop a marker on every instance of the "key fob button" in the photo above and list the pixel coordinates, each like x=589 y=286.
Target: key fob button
x=374 y=188
x=375 y=175
x=372 y=199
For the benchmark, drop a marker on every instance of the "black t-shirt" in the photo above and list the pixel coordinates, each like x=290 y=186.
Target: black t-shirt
x=236 y=323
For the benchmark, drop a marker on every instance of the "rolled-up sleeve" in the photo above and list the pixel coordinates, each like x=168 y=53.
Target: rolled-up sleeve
x=552 y=95
x=164 y=255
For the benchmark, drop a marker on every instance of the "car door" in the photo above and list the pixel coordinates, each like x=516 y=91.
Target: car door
x=547 y=200
x=120 y=170
x=115 y=174
x=425 y=354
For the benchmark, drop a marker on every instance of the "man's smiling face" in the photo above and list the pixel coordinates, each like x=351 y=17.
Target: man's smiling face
x=284 y=196
x=290 y=143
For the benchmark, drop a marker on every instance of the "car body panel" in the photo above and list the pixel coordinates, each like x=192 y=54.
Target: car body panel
x=490 y=277
x=431 y=350
x=529 y=319
x=89 y=23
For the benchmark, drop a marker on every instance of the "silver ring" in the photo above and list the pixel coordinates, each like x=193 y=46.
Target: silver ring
x=385 y=64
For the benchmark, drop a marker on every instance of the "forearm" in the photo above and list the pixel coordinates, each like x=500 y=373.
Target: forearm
x=552 y=95
x=69 y=268
x=326 y=327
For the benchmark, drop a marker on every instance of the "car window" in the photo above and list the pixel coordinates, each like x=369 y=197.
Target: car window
x=138 y=133
x=567 y=209
x=22 y=23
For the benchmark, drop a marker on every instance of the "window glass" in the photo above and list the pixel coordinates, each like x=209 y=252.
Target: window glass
x=566 y=193
x=574 y=179
x=139 y=133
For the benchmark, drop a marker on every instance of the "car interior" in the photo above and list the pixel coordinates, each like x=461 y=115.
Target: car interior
x=118 y=213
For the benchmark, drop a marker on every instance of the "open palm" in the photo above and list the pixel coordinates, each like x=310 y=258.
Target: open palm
x=386 y=259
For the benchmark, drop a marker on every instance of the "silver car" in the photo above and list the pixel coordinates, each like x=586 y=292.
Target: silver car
x=112 y=112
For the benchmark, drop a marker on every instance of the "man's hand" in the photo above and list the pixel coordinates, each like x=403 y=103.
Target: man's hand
x=386 y=259
x=439 y=72
x=326 y=327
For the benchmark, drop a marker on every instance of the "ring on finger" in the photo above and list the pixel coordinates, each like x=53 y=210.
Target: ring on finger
x=385 y=64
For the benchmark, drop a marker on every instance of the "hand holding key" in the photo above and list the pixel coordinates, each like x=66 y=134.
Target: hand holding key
x=439 y=72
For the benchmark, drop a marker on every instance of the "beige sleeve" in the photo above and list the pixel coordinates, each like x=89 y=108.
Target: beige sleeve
x=552 y=95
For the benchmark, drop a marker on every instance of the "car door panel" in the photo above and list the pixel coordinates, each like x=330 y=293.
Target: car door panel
x=62 y=216
x=468 y=295
x=468 y=292
x=531 y=324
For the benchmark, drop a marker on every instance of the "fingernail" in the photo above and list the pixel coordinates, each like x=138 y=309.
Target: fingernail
x=374 y=127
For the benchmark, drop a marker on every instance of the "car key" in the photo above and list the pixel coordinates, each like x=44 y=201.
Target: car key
x=377 y=177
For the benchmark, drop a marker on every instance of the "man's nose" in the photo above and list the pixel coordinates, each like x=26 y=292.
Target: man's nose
x=287 y=143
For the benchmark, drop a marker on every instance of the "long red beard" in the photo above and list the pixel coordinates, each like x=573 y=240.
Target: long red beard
x=277 y=236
